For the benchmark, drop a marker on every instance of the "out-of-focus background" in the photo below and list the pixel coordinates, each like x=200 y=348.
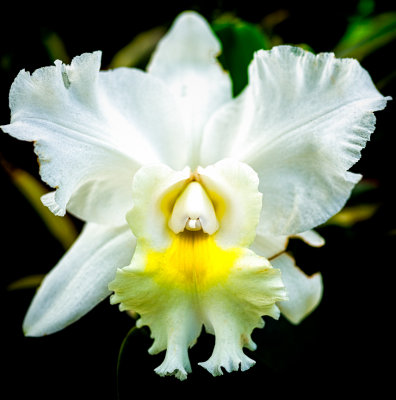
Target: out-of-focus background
x=343 y=347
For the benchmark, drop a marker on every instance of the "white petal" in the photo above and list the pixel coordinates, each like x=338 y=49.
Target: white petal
x=93 y=130
x=155 y=189
x=185 y=60
x=311 y=237
x=304 y=292
x=141 y=109
x=269 y=246
x=301 y=124
x=233 y=188
x=80 y=280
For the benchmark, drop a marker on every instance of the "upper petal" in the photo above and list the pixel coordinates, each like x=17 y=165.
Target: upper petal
x=80 y=280
x=185 y=60
x=301 y=124
x=92 y=130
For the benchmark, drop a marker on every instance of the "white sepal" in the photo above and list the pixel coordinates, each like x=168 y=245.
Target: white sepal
x=304 y=292
x=80 y=280
x=186 y=60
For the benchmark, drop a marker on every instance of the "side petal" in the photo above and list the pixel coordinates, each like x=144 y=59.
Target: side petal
x=304 y=292
x=92 y=130
x=233 y=189
x=185 y=60
x=154 y=190
x=301 y=124
x=80 y=280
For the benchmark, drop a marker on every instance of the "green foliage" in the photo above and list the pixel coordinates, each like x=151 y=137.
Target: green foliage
x=63 y=228
x=365 y=35
x=55 y=47
x=138 y=50
x=240 y=40
x=27 y=282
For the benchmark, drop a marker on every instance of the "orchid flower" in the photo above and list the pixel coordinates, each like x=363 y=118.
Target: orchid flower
x=190 y=195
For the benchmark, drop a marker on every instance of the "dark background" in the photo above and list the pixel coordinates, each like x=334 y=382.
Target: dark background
x=342 y=348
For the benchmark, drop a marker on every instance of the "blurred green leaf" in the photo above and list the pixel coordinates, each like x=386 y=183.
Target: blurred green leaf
x=271 y=20
x=62 y=228
x=305 y=46
x=27 y=282
x=5 y=62
x=365 y=35
x=387 y=80
x=366 y=7
x=349 y=216
x=55 y=47
x=138 y=49
x=240 y=40
x=364 y=186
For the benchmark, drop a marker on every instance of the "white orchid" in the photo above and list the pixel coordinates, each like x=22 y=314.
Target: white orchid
x=190 y=195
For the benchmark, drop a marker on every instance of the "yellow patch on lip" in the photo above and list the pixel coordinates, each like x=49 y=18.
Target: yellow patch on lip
x=193 y=262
